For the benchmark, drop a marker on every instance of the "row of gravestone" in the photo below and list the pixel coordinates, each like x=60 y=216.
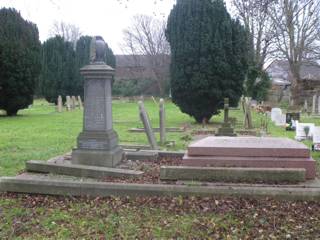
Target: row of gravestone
x=71 y=103
x=303 y=131
x=315 y=107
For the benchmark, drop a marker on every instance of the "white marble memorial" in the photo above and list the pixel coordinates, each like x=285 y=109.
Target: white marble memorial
x=275 y=113
x=300 y=130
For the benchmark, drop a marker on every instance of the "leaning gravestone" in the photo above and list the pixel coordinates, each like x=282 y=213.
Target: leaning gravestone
x=162 y=117
x=247 y=114
x=301 y=130
x=98 y=143
x=147 y=125
x=59 y=104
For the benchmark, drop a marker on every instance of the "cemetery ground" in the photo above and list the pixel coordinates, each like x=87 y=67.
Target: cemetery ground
x=40 y=133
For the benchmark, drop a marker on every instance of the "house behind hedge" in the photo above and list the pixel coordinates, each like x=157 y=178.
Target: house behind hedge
x=281 y=77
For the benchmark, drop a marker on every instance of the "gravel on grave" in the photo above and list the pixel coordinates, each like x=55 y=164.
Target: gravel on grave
x=151 y=171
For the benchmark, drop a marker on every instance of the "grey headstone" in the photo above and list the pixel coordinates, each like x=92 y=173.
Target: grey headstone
x=314 y=102
x=80 y=102
x=147 y=125
x=73 y=102
x=162 y=117
x=59 y=104
x=68 y=103
x=305 y=106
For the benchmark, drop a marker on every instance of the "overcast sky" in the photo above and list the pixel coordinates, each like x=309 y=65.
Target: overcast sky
x=106 y=18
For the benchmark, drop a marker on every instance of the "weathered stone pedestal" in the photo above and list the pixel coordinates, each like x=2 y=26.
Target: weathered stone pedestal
x=97 y=145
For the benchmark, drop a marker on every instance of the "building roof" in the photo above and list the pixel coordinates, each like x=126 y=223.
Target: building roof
x=280 y=74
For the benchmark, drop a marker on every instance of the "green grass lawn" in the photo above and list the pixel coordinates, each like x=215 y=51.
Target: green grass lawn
x=39 y=133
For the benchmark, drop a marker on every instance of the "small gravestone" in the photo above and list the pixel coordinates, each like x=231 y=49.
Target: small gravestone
x=147 y=126
x=68 y=103
x=226 y=129
x=319 y=105
x=97 y=144
x=314 y=101
x=275 y=113
x=162 y=117
x=304 y=130
x=73 y=102
x=59 y=104
x=305 y=106
x=316 y=138
x=280 y=120
x=80 y=102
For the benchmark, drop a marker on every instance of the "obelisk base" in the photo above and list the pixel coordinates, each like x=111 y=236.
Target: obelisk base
x=97 y=149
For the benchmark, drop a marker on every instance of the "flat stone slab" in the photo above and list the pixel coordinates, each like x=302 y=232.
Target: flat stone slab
x=248 y=147
x=141 y=155
x=102 y=189
x=266 y=175
x=79 y=170
x=252 y=162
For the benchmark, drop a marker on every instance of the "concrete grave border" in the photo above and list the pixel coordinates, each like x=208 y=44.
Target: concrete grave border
x=103 y=189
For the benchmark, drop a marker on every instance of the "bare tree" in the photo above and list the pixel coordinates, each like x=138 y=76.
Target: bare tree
x=69 y=32
x=146 y=36
x=296 y=35
x=260 y=27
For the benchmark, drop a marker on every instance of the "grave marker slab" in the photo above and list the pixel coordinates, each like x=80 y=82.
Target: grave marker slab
x=147 y=125
x=59 y=105
x=275 y=112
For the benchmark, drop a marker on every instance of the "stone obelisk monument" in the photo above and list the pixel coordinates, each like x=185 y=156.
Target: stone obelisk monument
x=97 y=144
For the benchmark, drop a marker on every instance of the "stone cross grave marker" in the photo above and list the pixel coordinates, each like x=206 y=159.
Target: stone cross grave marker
x=68 y=103
x=59 y=104
x=147 y=126
x=162 y=117
x=97 y=144
x=314 y=102
x=226 y=129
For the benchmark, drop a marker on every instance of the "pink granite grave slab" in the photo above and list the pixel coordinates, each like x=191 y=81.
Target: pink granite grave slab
x=248 y=147
x=255 y=162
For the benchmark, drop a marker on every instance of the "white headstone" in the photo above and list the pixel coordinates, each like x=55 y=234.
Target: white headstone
x=316 y=138
x=275 y=113
x=300 y=130
x=280 y=120
x=305 y=106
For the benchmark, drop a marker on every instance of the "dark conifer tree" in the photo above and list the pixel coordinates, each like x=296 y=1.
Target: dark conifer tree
x=19 y=61
x=208 y=57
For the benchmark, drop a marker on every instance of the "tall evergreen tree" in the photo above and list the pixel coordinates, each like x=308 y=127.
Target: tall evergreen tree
x=208 y=57
x=58 y=69
x=19 y=61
